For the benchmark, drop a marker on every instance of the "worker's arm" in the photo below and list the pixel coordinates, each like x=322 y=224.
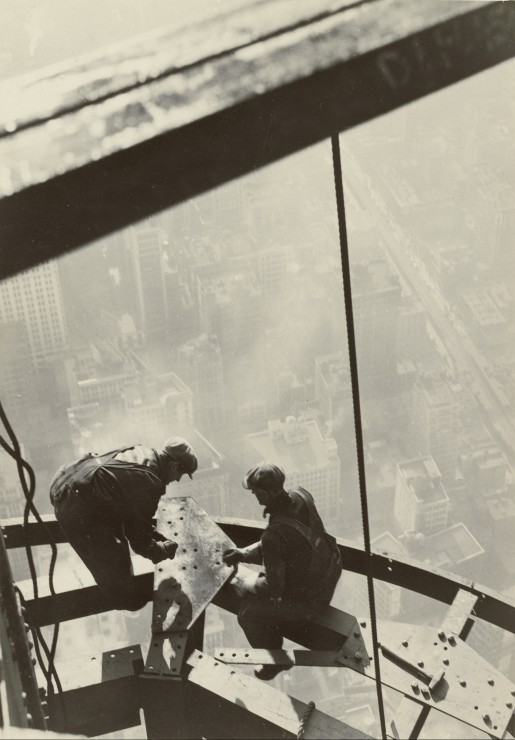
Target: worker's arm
x=250 y=554
x=141 y=502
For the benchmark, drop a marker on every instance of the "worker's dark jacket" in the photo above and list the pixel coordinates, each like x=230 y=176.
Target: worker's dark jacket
x=302 y=561
x=121 y=493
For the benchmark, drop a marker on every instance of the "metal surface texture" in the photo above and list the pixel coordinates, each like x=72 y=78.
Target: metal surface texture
x=166 y=654
x=290 y=658
x=184 y=586
x=492 y=607
x=470 y=690
x=252 y=699
x=20 y=702
x=123 y=156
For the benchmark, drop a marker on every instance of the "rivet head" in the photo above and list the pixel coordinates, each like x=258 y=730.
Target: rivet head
x=446 y=661
x=363 y=624
x=420 y=663
x=356 y=634
x=509 y=704
x=405 y=643
x=463 y=683
x=491 y=682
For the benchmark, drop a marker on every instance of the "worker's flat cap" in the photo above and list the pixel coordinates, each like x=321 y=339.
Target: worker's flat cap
x=265 y=475
x=179 y=449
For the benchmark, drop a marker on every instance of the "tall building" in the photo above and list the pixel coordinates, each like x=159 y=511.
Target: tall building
x=16 y=372
x=271 y=265
x=210 y=484
x=421 y=502
x=332 y=383
x=156 y=406
x=200 y=365
x=376 y=294
x=436 y=423
x=230 y=304
x=307 y=458
x=147 y=248
x=34 y=297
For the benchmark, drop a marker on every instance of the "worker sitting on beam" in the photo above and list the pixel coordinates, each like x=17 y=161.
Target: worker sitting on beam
x=301 y=561
x=104 y=502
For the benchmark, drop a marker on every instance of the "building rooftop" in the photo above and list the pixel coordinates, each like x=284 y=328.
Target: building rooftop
x=483 y=307
x=501 y=507
x=228 y=285
x=295 y=445
x=436 y=390
x=451 y=547
x=423 y=478
x=373 y=277
x=334 y=369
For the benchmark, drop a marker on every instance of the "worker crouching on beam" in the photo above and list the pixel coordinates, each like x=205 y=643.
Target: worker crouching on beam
x=104 y=502
x=302 y=563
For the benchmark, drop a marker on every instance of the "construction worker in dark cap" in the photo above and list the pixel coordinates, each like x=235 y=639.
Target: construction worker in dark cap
x=301 y=561
x=105 y=502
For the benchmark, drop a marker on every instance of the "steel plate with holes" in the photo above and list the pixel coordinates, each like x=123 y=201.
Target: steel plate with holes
x=166 y=654
x=470 y=689
x=183 y=587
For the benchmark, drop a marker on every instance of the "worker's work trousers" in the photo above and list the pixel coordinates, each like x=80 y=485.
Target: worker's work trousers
x=264 y=624
x=98 y=539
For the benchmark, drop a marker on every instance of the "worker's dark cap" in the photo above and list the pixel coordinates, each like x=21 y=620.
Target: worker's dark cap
x=265 y=475
x=180 y=450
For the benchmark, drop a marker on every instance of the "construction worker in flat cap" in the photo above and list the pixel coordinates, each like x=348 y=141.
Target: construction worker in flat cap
x=301 y=562
x=105 y=502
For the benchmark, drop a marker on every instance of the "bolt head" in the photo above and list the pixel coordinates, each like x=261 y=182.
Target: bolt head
x=486 y=719
x=357 y=656
x=452 y=640
x=415 y=687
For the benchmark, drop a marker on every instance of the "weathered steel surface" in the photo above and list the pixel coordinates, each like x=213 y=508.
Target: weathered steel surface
x=100 y=692
x=19 y=699
x=166 y=654
x=410 y=716
x=184 y=586
x=459 y=617
x=492 y=607
x=471 y=690
x=134 y=153
x=264 y=701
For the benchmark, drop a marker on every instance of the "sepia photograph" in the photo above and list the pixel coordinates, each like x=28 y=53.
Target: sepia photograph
x=257 y=369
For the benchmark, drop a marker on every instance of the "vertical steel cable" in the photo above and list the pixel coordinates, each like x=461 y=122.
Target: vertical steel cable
x=351 y=339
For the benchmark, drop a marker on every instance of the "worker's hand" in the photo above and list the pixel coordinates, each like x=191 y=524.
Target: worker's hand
x=233 y=556
x=170 y=549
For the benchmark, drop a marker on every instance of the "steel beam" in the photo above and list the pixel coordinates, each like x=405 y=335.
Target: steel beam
x=491 y=607
x=100 y=693
x=411 y=716
x=180 y=128
x=227 y=703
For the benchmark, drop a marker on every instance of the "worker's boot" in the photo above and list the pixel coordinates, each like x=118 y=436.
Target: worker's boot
x=267 y=672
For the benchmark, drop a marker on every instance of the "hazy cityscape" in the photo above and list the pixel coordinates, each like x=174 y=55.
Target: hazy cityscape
x=223 y=320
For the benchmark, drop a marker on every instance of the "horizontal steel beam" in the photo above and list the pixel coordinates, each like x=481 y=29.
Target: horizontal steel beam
x=102 y=694
x=409 y=574
x=109 y=156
